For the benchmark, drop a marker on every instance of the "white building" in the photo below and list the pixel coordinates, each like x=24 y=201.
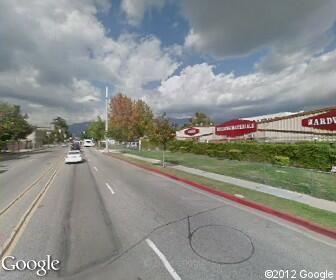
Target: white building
x=36 y=137
x=199 y=133
x=316 y=125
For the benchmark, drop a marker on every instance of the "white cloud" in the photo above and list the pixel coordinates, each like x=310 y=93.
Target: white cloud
x=135 y=10
x=55 y=50
x=235 y=28
x=304 y=84
x=137 y=62
x=291 y=76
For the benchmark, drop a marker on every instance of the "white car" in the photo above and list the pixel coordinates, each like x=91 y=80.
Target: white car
x=88 y=143
x=74 y=156
x=132 y=145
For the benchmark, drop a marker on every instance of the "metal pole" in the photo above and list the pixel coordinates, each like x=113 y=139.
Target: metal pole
x=106 y=119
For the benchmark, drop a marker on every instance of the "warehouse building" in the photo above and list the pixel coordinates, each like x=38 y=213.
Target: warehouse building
x=199 y=133
x=316 y=125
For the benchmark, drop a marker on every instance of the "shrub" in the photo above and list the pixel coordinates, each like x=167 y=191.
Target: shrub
x=148 y=145
x=183 y=149
x=172 y=146
x=2 y=144
x=211 y=152
x=198 y=149
x=235 y=154
x=281 y=160
x=221 y=154
x=308 y=155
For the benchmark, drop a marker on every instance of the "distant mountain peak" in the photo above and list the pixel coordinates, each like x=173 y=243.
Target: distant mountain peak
x=77 y=128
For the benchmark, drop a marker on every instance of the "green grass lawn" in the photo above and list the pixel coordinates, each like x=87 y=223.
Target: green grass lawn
x=319 y=216
x=314 y=183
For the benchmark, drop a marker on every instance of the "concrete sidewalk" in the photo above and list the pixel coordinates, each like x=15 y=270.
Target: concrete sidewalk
x=283 y=193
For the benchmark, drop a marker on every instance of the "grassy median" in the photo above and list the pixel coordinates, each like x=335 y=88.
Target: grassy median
x=322 y=217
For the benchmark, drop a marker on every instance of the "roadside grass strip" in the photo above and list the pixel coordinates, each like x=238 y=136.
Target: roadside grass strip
x=306 y=181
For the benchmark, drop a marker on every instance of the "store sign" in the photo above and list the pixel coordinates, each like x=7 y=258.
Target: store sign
x=191 y=131
x=325 y=121
x=236 y=128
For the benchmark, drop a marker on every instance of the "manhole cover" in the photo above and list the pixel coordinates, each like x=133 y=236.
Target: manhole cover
x=221 y=244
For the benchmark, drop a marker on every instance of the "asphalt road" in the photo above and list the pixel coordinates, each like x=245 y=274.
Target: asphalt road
x=106 y=219
x=20 y=170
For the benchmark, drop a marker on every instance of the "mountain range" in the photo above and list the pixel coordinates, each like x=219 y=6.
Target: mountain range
x=76 y=128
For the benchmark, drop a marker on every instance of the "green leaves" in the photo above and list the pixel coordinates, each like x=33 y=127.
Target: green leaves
x=307 y=155
x=61 y=130
x=129 y=119
x=201 y=119
x=96 y=130
x=13 y=124
x=162 y=132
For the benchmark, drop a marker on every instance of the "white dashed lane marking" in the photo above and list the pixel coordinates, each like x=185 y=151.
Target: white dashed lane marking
x=163 y=259
x=109 y=187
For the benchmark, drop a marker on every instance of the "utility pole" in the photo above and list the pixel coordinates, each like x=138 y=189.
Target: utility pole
x=106 y=119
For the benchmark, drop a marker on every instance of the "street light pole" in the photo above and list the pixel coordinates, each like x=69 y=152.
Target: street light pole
x=106 y=119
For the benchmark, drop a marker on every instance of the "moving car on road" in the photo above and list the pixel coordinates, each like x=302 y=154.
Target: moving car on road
x=88 y=143
x=75 y=146
x=74 y=156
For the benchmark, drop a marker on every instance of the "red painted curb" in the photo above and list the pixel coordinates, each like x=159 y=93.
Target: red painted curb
x=283 y=215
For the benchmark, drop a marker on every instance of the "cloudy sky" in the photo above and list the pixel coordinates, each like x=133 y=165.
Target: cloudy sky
x=227 y=58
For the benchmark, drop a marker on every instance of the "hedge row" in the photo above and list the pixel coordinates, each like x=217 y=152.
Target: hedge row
x=148 y=145
x=308 y=155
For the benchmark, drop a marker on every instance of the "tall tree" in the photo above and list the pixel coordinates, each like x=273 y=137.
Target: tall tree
x=13 y=124
x=201 y=119
x=141 y=119
x=120 y=117
x=96 y=130
x=61 y=129
x=162 y=132
x=129 y=119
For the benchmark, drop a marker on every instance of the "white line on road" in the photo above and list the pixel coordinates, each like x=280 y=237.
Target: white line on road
x=163 y=259
x=109 y=187
x=95 y=168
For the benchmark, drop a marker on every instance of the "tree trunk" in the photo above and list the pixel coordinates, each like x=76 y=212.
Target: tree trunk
x=163 y=155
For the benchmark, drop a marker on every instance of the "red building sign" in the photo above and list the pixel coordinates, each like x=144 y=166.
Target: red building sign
x=191 y=131
x=236 y=128
x=325 y=121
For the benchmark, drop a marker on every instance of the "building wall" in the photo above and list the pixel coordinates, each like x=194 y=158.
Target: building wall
x=36 y=137
x=204 y=134
x=290 y=129
x=15 y=146
x=286 y=128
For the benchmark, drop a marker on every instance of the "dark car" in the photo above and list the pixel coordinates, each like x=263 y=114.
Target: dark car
x=75 y=146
